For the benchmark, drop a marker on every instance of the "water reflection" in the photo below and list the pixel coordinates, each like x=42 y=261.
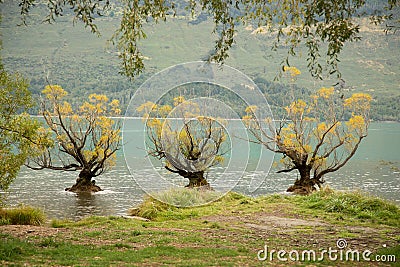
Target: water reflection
x=85 y=203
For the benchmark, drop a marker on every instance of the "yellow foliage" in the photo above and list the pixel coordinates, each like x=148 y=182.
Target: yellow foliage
x=291 y=141
x=293 y=71
x=249 y=122
x=95 y=98
x=75 y=118
x=219 y=159
x=88 y=154
x=319 y=162
x=326 y=92
x=87 y=108
x=307 y=148
x=62 y=137
x=154 y=123
x=251 y=109
x=178 y=100
x=358 y=98
x=359 y=103
x=66 y=108
x=296 y=107
x=147 y=107
x=114 y=105
x=43 y=139
x=164 y=110
x=350 y=141
x=183 y=136
x=268 y=120
x=105 y=123
x=332 y=130
x=314 y=97
x=247 y=118
x=321 y=128
x=54 y=92
x=309 y=119
x=203 y=120
x=356 y=122
x=156 y=126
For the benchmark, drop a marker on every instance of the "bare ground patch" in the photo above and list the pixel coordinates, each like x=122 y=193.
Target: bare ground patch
x=308 y=233
x=30 y=231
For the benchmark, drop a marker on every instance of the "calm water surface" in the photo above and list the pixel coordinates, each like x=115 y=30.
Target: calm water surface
x=375 y=168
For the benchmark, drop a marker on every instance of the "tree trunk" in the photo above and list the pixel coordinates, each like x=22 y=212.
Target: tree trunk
x=305 y=185
x=197 y=180
x=84 y=183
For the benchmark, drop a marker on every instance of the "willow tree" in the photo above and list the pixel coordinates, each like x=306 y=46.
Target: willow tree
x=186 y=143
x=18 y=131
x=85 y=140
x=316 y=24
x=314 y=137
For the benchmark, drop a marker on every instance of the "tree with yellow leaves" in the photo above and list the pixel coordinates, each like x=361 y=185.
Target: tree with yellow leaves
x=314 y=137
x=188 y=144
x=85 y=140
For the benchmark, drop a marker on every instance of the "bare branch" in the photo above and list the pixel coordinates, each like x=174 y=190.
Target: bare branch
x=287 y=170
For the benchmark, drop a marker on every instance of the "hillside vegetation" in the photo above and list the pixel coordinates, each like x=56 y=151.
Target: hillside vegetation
x=83 y=63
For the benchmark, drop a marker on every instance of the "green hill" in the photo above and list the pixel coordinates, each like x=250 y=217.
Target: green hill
x=83 y=63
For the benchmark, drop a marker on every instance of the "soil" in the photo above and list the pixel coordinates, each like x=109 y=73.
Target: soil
x=26 y=231
x=92 y=188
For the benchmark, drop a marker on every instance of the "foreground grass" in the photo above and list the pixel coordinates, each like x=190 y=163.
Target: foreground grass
x=227 y=232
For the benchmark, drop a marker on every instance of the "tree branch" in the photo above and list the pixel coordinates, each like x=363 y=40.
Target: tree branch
x=70 y=167
x=337 y=167
x=287 y=170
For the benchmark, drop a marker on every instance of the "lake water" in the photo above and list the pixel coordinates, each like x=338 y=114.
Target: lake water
x=375 y=168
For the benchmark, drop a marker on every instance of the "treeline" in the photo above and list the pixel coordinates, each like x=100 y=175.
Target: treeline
x=386 y=108
x=278 y=95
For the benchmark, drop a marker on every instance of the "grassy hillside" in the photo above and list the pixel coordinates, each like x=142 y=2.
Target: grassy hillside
x=83 y=63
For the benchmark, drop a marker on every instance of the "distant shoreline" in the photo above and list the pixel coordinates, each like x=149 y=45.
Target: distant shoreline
x=139 y=118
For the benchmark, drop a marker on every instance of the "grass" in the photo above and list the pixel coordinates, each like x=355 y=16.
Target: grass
x=184 y=197
x=12 y=249
x=355 y=205
x=348 y=205
x=25 y=215
x=163 y=205
x=226 y=232
x=174 y=203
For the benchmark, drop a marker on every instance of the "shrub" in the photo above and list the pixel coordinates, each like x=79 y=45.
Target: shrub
x=25 y=215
